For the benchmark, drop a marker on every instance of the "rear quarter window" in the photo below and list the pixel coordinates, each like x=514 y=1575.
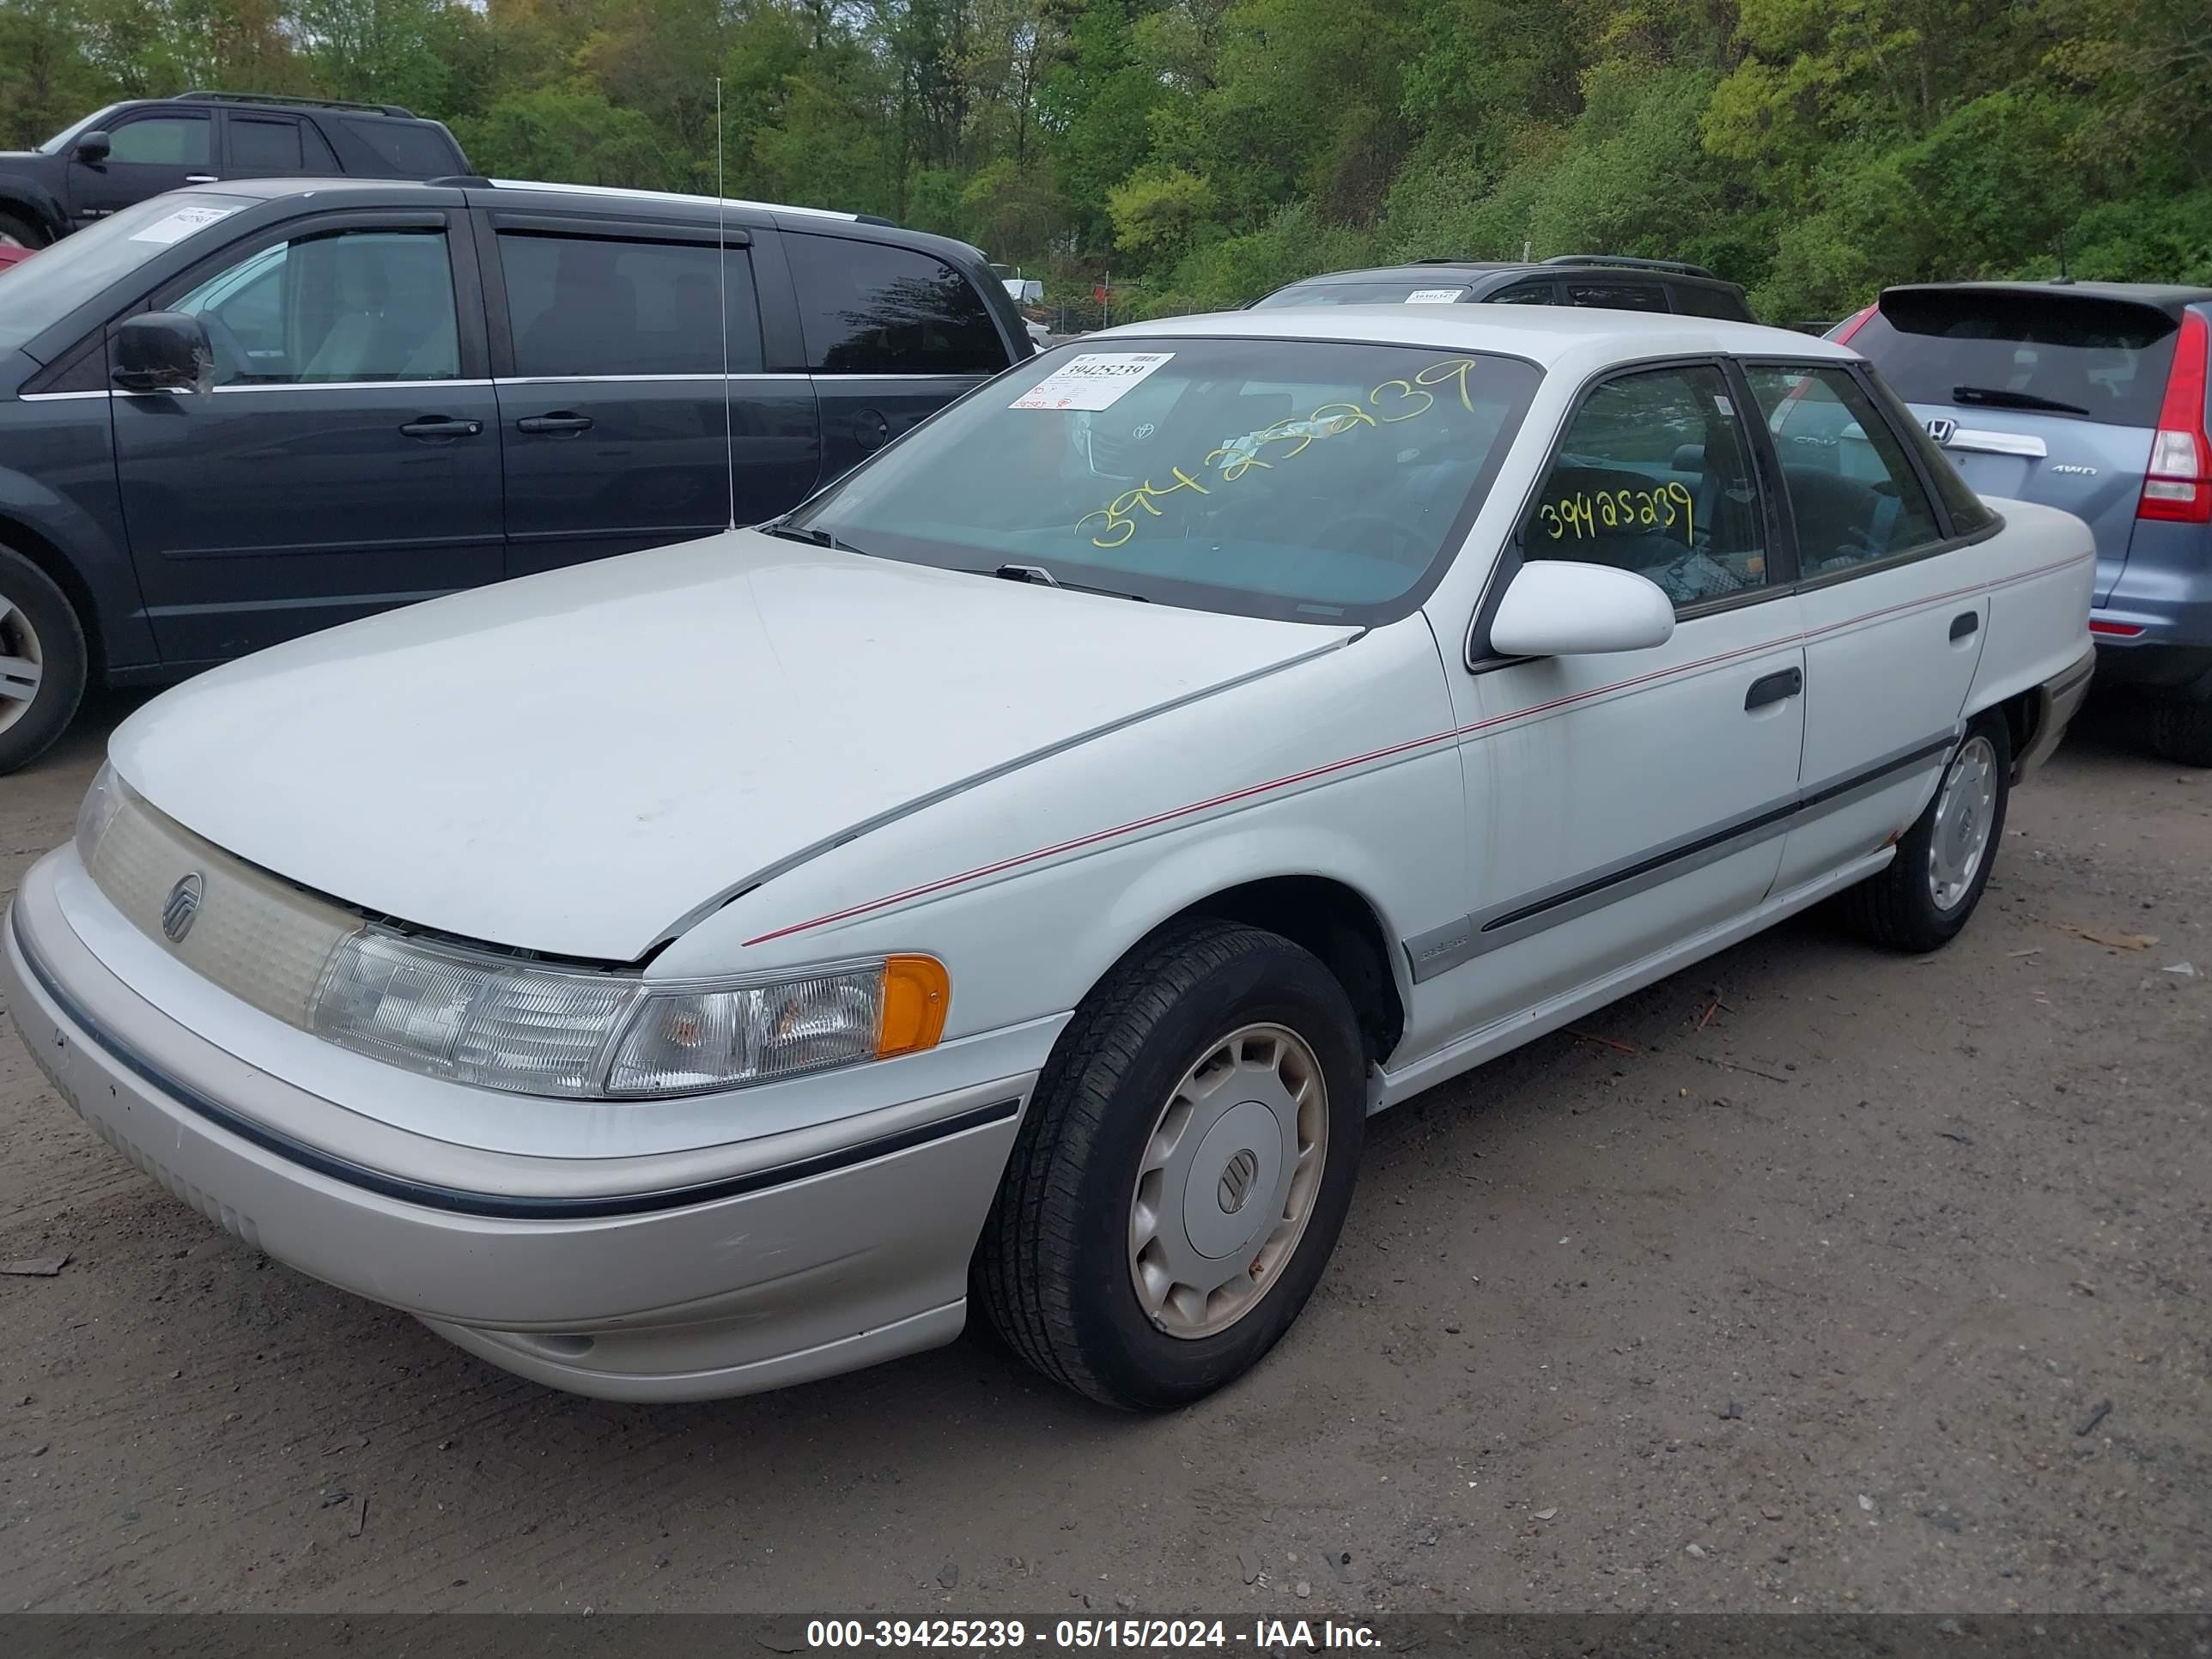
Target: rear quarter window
x=2077 y=354
x=410 y=149
x=872 y=308
x=1695 y=300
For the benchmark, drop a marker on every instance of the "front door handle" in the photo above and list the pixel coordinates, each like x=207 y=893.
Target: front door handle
x=560 y=421
x=441 y=426
x=1964 y=623
x=1774 y=687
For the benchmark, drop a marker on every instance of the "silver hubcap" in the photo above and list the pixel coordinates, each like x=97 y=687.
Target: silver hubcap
x=1228 y=1181
x=1961 y=839
x=21 y=663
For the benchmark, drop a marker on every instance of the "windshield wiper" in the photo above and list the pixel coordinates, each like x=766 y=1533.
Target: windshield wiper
x=1998 y=397
x=807 y=533
x=1040 y=577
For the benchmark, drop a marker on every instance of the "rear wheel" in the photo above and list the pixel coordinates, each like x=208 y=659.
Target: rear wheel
x=1183 y=1171
x=2181 y=729
x=42 y=661
x=17 y=231
x=1921 y=899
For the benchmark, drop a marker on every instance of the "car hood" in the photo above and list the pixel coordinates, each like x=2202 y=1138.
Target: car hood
x=584 y=761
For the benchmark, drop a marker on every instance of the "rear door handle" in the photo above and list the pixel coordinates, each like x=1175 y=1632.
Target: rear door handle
x=561 y=421
x=441 y=426
x=1964 y=623
x=199 y=177
x=1774 y=687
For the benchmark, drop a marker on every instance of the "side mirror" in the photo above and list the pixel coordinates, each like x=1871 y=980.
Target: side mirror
x=92 y=149
x=163 y=351
x=1554 y=608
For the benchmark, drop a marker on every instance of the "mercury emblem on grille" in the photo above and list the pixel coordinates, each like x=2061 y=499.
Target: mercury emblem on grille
x=181 y=908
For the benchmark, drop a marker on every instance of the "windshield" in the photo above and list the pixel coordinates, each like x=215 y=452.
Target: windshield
x=2072 y=355
x=76 y=268
x=1441 y=290
x=1307 y=481
x=69 y=134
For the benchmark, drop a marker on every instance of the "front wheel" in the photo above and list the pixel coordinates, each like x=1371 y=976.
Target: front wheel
x=1183 y=1171
x=17 y=231
x=1921 y=899
x=43 y=661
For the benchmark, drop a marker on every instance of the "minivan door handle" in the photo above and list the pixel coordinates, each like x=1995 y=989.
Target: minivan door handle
x=559 y=421
x=441 y=426
x=1774 y=687
x=1964 y=623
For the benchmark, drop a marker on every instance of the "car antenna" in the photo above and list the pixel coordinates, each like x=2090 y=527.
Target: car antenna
x=2062 y=278
x=722 y=289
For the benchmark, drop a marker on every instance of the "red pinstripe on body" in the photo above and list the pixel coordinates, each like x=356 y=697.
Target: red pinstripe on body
x=1454 y=734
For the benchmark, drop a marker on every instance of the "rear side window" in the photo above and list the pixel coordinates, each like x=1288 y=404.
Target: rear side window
x=1967 y=511
x=1617 y=296
x=410 y=149
x=1527 y=294
x=1851 y=485
x=868 y=308
x=264 y=144
x=584 y=306
x=2047 y=351
x=1695 y=300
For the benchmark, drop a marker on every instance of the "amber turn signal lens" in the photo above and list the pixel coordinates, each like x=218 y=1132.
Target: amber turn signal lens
x=916 y=994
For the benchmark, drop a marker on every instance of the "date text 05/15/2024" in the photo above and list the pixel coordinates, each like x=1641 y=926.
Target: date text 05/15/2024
x=1069 y=1634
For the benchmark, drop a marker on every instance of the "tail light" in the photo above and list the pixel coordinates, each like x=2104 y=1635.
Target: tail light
x=2177 y=483
x=1842 y=336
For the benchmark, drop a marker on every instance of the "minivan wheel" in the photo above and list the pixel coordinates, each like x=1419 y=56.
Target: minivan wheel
x=1921 y=899
x=42 y=661
x=1183 y=1171
x=20 y=233
x=2181 y=729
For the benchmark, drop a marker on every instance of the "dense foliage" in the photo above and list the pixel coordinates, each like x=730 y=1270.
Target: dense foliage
x=1812 y=150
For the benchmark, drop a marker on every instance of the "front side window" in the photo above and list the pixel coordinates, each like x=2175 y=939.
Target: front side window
x=1852 y=489
x=592 y=306
x=1654 y=475
x=161 y=141
x=1309 y=481
x=354 y=305
x=869 y=308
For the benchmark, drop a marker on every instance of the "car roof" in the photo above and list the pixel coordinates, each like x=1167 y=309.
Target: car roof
x=518 y=193
x=1430 y=270
x=2167 y=295
x=1551 y=337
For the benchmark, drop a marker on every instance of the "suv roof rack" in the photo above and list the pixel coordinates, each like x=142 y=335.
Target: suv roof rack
x=204 y=96
x=1678 y=267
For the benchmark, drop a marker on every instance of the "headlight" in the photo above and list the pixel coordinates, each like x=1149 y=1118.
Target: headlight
x=101 y=803
x=542 y=1029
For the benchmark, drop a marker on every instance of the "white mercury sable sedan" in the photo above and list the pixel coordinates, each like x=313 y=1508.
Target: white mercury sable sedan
x=1016 y=875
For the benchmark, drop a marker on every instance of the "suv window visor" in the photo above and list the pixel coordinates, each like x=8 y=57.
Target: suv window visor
x=2072 y=355
x=1306 y=481
x=78 y=268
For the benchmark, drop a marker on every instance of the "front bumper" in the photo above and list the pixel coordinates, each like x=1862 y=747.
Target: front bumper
x=799 y=1259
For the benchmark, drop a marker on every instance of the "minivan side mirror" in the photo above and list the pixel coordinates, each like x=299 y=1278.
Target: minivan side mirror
x=92 y=149
x=1558 y=608
x=163 y=351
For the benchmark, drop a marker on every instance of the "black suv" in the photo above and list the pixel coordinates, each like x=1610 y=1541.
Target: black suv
x=237 y=414
x=125 y=153
x=1614 y=281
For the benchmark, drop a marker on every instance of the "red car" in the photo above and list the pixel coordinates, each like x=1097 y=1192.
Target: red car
x=14 y=253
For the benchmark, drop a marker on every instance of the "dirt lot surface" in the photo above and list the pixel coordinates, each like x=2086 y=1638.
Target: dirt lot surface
x=1816 y=1303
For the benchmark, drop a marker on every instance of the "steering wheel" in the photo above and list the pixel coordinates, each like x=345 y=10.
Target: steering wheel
x=1356 y=530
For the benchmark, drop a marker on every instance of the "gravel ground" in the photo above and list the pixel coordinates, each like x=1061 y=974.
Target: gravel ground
x=1816 y=1303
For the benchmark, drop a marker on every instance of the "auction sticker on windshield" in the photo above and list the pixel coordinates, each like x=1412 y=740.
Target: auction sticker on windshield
x=1097 y=379
x=1434 y=296
x=175 y=227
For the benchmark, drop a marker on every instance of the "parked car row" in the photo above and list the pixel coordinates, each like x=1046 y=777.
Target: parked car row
x=236 y=414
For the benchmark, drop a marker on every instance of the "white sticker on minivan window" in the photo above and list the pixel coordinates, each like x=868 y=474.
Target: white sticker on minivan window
x=1097 y=379
x=175 y=227
x=1434 y=296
